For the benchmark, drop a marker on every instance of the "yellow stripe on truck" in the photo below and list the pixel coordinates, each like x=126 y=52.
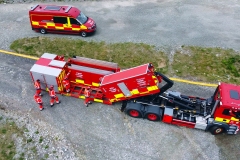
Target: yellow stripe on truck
x=119 y=95
x=222 y=120
x=135 y=91
x=152 y=88
x=98 y=100
x=80 y=81
x=234 y=119
x=95 y=84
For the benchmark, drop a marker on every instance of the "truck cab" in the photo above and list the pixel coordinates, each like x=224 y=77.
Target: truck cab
x=227 y=109
x=60 y=19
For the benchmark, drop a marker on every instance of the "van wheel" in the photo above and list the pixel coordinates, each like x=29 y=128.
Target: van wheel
x=83 y=34
x=43 y=31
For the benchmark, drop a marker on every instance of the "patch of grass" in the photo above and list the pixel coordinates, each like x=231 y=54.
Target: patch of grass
x=189 y=62
x=46 y=147
x=4 y=130
x=1 y=118
x=25 y=130
x=37 y=132
x=7 y=147
x=207 y=64
x=41 y=139
x=29 y=140
x=21 y=156
x=46 y=155
x=125 y=54
x=12 y=123
x=34 y=149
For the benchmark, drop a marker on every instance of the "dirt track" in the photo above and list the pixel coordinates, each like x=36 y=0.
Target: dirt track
x=100 y=131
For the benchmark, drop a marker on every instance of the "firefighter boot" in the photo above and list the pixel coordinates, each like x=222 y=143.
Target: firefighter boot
x=58 y=102
x=51 y=104
x=41 y=109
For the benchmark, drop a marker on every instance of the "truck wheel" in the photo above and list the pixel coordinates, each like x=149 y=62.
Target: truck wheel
x=134 y=113
x=83 y=34
x=153 y=113
x=152 y=117
x=215 y=130
x=43 y=31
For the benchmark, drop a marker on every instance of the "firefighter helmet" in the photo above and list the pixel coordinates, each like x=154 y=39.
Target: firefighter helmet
x=51 y=87
x=38 y=80
x=88 y=87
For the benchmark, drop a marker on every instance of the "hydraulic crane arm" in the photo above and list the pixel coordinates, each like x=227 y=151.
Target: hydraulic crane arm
x=169 y=82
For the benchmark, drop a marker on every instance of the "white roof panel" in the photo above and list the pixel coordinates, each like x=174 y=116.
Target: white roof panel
x=45 y=70
x=49 y=56
x=57 y=63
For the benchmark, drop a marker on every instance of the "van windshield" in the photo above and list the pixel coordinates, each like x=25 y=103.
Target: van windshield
x=82 y=18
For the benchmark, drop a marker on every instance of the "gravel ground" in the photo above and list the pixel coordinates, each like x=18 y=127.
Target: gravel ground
x=101 y=131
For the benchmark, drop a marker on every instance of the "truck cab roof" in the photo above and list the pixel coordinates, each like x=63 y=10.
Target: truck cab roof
x=230 y=95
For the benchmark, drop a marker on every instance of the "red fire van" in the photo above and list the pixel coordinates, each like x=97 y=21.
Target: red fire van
x=60 y=19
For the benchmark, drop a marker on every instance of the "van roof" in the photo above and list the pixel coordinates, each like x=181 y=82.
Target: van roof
x=70 y=10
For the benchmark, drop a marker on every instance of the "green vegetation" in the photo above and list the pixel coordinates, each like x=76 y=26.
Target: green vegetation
x=125 y=54
x=46 y=155
x=207 y=64
x=29 y=140
x=189 y=62
x=7 y=147
x=46 y=147
x=41 y=139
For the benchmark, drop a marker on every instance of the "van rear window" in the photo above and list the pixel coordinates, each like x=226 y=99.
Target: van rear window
x=234 y=94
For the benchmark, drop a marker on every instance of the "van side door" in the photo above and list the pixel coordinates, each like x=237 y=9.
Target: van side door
x=61 y=23
x=75 y=25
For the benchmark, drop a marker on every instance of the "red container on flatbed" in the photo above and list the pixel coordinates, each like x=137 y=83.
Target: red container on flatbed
x=130 y=83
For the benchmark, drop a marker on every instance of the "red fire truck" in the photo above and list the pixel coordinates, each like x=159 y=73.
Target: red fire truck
x=60 y=19
x=142 y=91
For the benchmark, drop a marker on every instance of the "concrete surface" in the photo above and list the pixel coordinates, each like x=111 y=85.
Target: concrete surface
x=101 y=131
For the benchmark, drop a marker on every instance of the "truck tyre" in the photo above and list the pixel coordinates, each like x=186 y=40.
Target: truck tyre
x=215 y=130
x=134 y=109
x=153 y=113
x=43 y=31
x=152 y=117
x=83 y=34
x=134 y=113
